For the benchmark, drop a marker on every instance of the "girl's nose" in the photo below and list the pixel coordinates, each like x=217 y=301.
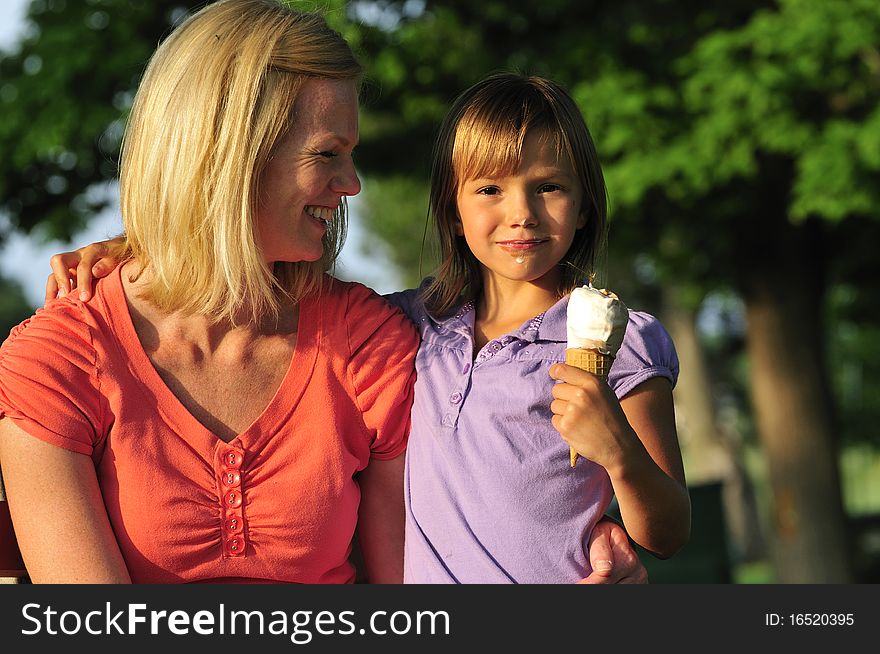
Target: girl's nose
x=521 y=213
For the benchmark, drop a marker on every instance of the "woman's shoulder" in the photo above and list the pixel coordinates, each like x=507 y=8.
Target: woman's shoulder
x=66 y=328
x=350 y=297
x=361 y=308
x=49 y=377
x=64 y=324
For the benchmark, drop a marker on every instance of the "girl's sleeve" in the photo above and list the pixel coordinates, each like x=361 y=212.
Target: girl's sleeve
x=49 y=381
x=647 y=351
x=383 y=344
x=408 y=301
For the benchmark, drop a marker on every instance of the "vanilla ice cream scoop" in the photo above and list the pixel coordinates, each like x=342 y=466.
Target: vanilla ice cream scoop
x=596 y=320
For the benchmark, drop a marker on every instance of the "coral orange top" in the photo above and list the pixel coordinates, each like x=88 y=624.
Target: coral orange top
x=279 y=502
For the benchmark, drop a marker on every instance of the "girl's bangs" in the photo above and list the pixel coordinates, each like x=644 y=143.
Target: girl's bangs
x=487 y=150
x=490 y=148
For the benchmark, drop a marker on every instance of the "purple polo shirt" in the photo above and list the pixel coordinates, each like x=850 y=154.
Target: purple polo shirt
x=490 y=495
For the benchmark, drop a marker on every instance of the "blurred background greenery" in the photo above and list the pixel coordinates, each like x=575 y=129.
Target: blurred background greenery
x=741 y=145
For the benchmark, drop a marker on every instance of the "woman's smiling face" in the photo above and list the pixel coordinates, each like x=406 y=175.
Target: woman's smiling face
x=309 y=172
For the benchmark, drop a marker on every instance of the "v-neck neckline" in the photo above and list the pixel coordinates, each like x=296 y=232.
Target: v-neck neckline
x=188 y=427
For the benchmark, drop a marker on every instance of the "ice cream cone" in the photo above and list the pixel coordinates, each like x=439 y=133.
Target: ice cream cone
x=594 y=362
x=595 y=326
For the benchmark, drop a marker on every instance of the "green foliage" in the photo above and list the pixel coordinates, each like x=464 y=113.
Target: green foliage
x=14 y=307
x=395 y=203
x=63 y=94
x=801 y=82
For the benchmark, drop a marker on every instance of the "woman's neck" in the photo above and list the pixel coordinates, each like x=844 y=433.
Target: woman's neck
x=203 y=331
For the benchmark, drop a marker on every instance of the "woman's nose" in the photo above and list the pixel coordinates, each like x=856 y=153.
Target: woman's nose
x=346 y=181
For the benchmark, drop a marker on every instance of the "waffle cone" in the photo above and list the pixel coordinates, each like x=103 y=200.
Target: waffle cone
x=594 y=362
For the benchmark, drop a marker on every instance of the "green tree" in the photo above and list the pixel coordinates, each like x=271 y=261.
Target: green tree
x=64 y=94
x=14 y=307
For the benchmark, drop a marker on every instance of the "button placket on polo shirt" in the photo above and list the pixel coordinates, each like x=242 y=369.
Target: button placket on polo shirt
x=231 y=491
x=462 y=344
x=455 y=400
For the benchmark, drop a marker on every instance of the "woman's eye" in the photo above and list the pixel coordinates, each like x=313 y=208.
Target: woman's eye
x=327 y=154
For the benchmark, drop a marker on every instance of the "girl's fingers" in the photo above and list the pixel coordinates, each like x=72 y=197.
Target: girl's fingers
x=569 y=374
x=103 y=267
x=558 y=407
x=61 y=265
x=84 y=280
x=51 y=288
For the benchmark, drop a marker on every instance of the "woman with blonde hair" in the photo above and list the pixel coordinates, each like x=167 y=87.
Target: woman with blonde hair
x=221 y=409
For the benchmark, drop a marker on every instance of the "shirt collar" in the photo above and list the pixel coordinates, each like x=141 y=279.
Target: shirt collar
x=548 y=326
x=554 y=325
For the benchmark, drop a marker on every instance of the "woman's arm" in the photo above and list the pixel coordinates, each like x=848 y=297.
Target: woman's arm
x=636 y=442
x=381 y=520
x=58 y=512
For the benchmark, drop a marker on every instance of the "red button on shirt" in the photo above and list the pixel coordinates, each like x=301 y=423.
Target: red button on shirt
x=234 y=524
x=232 y=499
x=233 y=458
x=231 y=478
x=235 y=546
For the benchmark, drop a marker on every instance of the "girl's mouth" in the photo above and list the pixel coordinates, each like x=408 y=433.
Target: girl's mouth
x=521 y=245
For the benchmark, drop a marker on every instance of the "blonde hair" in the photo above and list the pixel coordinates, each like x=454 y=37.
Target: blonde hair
x=215 y=98
x=483 y=136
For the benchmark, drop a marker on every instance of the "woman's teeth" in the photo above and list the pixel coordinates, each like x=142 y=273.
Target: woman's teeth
x=324 y=214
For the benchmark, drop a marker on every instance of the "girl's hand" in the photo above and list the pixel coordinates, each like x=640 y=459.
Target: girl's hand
x=78 y=269
x=588 y=416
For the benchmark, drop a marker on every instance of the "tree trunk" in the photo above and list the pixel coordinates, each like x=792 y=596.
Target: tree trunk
x=706 y=459
x=783 y=293
x=710 y=455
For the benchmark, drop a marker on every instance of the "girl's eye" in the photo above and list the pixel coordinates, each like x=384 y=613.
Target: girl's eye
x=548 y=188
x=488 y=190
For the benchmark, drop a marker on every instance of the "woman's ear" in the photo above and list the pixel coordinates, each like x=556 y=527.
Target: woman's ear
x=582 y=219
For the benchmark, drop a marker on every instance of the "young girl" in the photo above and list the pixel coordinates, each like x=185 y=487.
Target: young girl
x=518 y=201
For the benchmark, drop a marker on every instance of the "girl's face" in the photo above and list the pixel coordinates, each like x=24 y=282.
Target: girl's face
x=520 y=227
x=309 y=172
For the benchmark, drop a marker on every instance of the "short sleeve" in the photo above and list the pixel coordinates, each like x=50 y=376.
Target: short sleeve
x=647 y=351
x=408 y=302
x=49 y=381
x=383 y=344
